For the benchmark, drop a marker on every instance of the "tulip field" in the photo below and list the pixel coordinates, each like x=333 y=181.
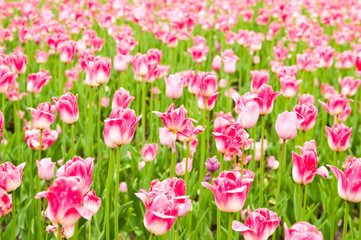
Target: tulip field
x=180 y=119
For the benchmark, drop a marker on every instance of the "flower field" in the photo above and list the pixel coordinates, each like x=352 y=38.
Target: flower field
x=179 y=119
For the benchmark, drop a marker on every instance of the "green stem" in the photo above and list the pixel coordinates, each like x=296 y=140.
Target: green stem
x=333 y=193
x=262 y=163
x=90 y=122
x=230 y=225
x=280 y=174
x=172 y=164
x=72 y=140
x=75 y=236
x=13 y=196
x=229 y=103
x=151 y=237
x=304 y=202
x=222 y=163
x=116 y=194
x=344 y=234
x=38 y=181
x=359 y=224
x=299 y=207
x=143 y=110
x=58 y=236
x=218 y=224
x=90 y=229
x=98 y=126
x=107 y=194
x=203 y=143
x=186 y=175
x=242 y=160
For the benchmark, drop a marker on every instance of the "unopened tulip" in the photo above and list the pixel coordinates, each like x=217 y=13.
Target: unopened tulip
x=5 y=203
x=67 y=107
x=11 y=176
x=286 y=125
x=212 y=164
x=349 y=181
x=140 y=64
x=230 y=189
x=306 y=98
x=174 y=86
x=266 y=98
x=43 y=116
x=302 y=230
x=19 y=62
x=260 y=224
x=289 y=86
x=272 y=162
x=122 y=123
x=217 y=63
x=248 y=110
x=120 y=62
x=338 y=137
x=65 y=196
x=41 y=56
x=229 y=61
x=45 y=168
x=123 y=187
x=304 y=165
x=336 y=104
x=149 y=152
x=121 y=98
x=349 y=86
x=80 y=168
x=101 y=70
x=207 y=83
x=67 y=51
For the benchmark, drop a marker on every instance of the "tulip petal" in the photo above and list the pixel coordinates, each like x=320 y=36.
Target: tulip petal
x=322 y=171
x=240 y=227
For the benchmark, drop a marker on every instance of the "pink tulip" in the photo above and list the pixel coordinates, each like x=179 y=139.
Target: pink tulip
x=45 y=168
x=349 y=86
x=306 y=98
x=266 y=98
x=67 y=107
x=123 y=187
x=65 y=196
x=174 y=119
x=149 y=152
x=1 y=124
x=343 y=117
x=286 y=125
x=336 y=104
x=18 y=62
x=349 y=181
x=101 y=70
x=174 y=86
x=80 y=168
x=121 y=98
x=13 y=93
x=230 y=189
x=121 y=124
x=189 y=133
x=164 y=202
x=327 y=90
x=36 y=81
x=302 y=230
x=229 y=61
x=92 y=202
x=338 y=137
x=211 y=101
x=217 y=63
x=104 y=102
x=259 y=78
x=43 y=116
x=121 y=62
x=6 y=78
x=140 y=64
x=247 y=108
x=108 y=141
x=207 y=83
x=304 y=165
x=11 y=176
x=325 y=56
x=41 y=56
x=66 y=231
x=166 y=137
x=32 y=138
x=180 y=168
x=67 y=51
x=306 y=115
x=5 y=203
x=230 y=137
x=289 y=86
x=260 y=224
x=272 y=162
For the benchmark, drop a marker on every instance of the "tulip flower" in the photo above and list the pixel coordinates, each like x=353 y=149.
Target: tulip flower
x=229 y=61
x=306 y=115
x=121 y=124
x=302 y=230
x=164 y=202
x=18 y=62
x=32 y=138
x=289 y=86
x=174 y=86
x=266 y=98
x=166 y=138
x=36 y=81
x=6 y=78
x=123 y=187
x=41 y=56
x=207 y=83
x=43 y=116
x=174 y=119
x=247 y=108
x=230 y=189
x=286 y=125
x=260 y=224
x=327 y=90
x=180 y=168
x=336 y=104
x=211 y=101
x=66 y=231
x=338 y=137
x=349 y=86
x=121 y=98
x=149 y=152
x=306 y=98
x=65 y=196
x=121 y=62
x=304 y=165
x=140 y=64
x=5 y=203
x=92 y=202
x=212 y=164
x=1 y=124
x=67 y=51
x=217 y=63
x=10 y=176
x=45 y=168
x=259 y=78
x=67 y=107
x=80 y=168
